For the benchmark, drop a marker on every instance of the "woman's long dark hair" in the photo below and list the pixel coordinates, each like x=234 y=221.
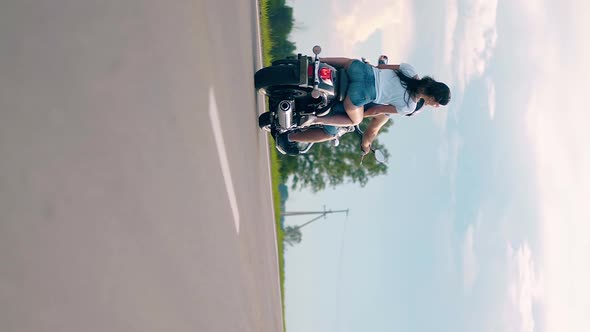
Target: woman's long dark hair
x=426 y=85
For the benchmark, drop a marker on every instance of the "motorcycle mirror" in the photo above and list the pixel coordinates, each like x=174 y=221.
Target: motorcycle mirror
x=317 y=49
x=379 y=156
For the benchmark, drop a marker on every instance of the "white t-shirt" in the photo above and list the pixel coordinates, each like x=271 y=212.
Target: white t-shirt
x=390 y=90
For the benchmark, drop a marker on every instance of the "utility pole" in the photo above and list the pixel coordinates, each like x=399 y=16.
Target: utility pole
x=319 y=213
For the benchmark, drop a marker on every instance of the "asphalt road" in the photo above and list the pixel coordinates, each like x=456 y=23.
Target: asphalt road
x=134 y=184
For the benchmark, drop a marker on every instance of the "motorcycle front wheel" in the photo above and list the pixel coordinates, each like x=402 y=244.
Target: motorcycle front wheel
x=283 y=91
x=264 y=121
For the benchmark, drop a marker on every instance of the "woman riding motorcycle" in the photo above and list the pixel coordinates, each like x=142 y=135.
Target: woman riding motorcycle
x=394 y=89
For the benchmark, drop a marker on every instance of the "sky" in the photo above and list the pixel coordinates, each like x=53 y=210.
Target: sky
x=482 y=222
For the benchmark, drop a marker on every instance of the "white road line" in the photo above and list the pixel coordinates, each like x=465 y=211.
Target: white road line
x=229 y=186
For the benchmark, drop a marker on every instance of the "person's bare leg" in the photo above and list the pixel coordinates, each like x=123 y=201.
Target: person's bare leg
x=336 y=120
x=355 y=113
x=354 y=116
x=313 y=135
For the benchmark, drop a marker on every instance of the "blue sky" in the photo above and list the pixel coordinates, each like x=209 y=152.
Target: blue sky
x=481 y=223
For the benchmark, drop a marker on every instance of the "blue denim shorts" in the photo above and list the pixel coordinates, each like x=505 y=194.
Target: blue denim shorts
x=361 y=89
x=361 y=83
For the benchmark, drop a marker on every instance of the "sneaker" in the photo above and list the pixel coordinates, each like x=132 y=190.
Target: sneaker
x=307 y=120
x=289 y=147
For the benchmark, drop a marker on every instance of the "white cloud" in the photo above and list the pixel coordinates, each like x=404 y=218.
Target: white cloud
x=532 y=10
x=441 y=114
x=476 y=41
x=355 y=21
x=491 y=98
x=470 y=263
x=445 y=228
x=559 y=134
x=524 y=289
x=448 y=155
x=557 y=127
x=450 y=28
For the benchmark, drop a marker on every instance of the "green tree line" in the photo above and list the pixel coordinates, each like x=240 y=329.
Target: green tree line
x=281 y=22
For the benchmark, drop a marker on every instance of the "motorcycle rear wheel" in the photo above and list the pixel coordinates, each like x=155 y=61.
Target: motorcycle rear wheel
x=288 y=61
x=283 y=74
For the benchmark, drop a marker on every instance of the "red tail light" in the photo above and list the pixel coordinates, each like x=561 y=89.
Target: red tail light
x=326 y=74
x=310 y=71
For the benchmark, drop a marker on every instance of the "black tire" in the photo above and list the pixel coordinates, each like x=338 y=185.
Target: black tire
x=287 y=91
x=276 y=75
x=264 y=121
x=285 y=62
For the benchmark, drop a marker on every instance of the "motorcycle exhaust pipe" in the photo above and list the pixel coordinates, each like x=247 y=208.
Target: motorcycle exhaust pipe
x=285 y=113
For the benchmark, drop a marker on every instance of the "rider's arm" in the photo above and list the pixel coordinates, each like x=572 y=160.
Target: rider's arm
x=395 y=67
x=380 y=109
x=372 y=130
x=392 y=67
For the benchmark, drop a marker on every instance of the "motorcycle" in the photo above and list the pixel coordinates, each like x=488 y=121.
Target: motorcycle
x=298 y=87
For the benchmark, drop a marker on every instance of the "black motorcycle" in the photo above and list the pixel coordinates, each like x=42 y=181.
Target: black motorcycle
x=298 y=87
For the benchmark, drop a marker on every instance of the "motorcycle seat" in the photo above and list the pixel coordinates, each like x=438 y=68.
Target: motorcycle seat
x=342 y=84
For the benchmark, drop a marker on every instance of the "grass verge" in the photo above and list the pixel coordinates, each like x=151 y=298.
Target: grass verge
x=276 y=180
x=274 y=161
x=265 y=33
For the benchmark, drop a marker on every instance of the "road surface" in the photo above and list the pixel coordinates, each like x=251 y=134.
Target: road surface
x=134 y=186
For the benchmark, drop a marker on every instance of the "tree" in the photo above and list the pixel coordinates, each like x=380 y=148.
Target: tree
x=325 y=165
x=281 y=48
x=281 y=22
x=292 y=235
